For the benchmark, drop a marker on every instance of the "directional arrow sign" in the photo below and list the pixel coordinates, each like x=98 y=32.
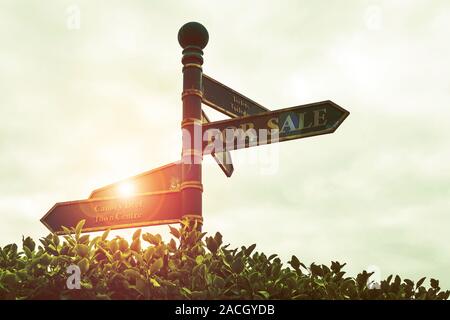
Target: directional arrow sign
x=223 y=159
x=228 y=101
x=274 y=126
x=115 y=213
x=165 y=178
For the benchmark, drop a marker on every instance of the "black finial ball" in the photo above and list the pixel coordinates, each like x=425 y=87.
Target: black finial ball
x=193 y=34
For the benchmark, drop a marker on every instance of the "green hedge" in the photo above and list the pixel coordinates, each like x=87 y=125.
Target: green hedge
x=189 y=266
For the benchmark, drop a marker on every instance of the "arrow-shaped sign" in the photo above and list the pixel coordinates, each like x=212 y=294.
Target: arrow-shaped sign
x=274 y=126
x=227 y=100
x=165 y=178
x=115 y=213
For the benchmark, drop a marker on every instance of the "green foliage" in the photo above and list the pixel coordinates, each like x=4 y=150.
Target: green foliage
x=189 y=266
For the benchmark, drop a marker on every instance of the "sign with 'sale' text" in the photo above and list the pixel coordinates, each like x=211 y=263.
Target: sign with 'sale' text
x=273 y=126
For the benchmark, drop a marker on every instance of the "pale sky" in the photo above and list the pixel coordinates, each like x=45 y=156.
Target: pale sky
x=84 y=107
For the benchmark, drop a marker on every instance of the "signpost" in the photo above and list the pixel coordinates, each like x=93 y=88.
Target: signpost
x=173 y=192
x=116 y=213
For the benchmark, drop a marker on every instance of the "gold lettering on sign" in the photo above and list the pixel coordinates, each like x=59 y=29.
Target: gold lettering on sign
x=239 y=105
x=119 y=217
x=273 y=124
x=128 y=216
x=124 y=210
x=123 y=205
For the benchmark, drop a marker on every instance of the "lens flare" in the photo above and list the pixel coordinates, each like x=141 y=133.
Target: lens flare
x=125 y=189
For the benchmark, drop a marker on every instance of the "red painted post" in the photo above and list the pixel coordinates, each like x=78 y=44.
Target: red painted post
x=192 y=37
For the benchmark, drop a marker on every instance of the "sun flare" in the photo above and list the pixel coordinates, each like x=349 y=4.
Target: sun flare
x=125 y=189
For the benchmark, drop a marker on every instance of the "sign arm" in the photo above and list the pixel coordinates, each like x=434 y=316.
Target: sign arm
x=228 y=101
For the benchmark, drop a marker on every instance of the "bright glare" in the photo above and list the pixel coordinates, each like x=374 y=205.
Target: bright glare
x=125 y=189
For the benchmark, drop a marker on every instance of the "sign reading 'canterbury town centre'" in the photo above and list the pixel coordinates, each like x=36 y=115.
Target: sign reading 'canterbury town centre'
x=173 y=192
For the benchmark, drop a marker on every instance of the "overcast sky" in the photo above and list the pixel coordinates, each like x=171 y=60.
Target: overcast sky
x=83 y=105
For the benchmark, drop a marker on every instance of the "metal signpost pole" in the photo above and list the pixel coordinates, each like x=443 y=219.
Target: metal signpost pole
x=192 y=37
